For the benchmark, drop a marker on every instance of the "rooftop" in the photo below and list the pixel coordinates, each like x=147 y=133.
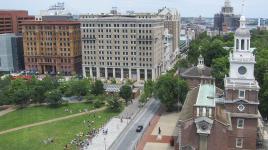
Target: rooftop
x=206 y=95
x=65 y=22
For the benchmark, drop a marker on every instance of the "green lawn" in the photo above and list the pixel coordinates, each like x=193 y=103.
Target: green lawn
x=31 y=115
x=63 y=132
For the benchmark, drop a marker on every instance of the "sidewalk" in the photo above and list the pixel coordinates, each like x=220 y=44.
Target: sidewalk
x=151 y=140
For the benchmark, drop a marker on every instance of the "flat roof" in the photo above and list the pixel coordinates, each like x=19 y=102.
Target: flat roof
x=59 y=22
x=206 y=95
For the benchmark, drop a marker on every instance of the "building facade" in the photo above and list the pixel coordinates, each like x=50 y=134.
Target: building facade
x=226 y=20
x=197 y=75
x=127 y=45
x=11 y=20
x=52 y=47
x=212 y=120
x=11 y=53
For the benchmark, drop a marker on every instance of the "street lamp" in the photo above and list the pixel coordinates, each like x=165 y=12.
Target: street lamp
x=104 y=143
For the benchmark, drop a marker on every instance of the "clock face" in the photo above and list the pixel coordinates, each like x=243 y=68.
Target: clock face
x=242 y=70
x=203 y=125
x=241 y=107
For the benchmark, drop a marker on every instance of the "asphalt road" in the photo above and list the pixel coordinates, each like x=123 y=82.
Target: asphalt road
x=130 y=137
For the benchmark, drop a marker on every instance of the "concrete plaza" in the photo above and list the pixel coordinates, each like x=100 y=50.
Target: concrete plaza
x=103 y=141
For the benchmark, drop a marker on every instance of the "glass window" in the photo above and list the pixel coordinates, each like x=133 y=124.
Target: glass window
x=239 y=143
x=240 y=123
x=241 y=93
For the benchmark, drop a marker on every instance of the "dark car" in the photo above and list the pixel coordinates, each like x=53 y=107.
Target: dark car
x=139 y=128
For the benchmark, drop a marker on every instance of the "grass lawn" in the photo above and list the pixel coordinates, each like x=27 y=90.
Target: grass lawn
x=31 y=115
x=62 y=131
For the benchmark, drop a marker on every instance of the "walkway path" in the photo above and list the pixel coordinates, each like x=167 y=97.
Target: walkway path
x=3 y=112
x=51 y=120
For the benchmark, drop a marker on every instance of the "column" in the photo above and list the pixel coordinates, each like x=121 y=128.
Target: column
x=122 y=74
x=153 y=74
x=106 y=73
x=138 y=75
x=90 y=72
x=84 y=72
x=98 y=72
x=113 y=72
x=145 y=75
x=129 y=73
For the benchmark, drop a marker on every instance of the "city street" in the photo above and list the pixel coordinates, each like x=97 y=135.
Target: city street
x=130 y=137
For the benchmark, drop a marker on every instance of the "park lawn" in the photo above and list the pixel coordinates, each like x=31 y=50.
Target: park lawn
x=31 y=115
x=62 y=131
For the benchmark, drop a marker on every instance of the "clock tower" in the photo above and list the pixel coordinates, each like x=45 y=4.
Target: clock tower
x=241 y=92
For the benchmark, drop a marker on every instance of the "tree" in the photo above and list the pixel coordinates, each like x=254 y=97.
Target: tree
x=99 y=101
x=264 y=96
x=97 y=88
x=169 y=89
x=53 y=97
x=126 y=93
x=148 y=88
x=220 y=68
x=19 y=92
x=114 y=104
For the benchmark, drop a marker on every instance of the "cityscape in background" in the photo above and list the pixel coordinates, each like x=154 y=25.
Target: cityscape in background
x=138 y=80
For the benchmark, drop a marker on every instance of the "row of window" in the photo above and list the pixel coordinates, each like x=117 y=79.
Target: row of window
x=116 y=25
x=119 y=63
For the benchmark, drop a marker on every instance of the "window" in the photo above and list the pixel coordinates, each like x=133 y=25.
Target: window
x=241 y=94
x=240 y=123
x=239 y=143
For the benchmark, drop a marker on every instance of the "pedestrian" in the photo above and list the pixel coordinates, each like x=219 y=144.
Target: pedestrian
x=159 y=130
x=149 y=123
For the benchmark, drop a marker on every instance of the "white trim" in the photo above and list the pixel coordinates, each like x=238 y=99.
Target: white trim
x=237 y=145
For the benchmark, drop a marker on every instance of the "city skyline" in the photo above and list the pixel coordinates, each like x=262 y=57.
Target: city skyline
x=187 y=8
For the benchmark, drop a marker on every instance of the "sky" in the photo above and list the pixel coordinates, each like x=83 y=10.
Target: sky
x=187 y=8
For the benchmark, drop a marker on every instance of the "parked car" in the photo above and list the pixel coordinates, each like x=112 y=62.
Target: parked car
x=139 y=128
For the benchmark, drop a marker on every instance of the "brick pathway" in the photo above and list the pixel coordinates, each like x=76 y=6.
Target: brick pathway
x=148 y=137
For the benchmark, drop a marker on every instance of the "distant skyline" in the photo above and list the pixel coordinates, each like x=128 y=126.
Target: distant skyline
x=187 y=8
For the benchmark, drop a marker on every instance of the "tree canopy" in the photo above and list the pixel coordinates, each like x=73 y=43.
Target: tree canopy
x=170 y=89
x=126 y=92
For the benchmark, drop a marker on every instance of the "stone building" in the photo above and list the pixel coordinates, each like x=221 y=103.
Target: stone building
x=226 y=20
x=11 y=20
x=52 y=47
x=197 y=74
x=11 y=53
x=210 y=120
x=127 y=45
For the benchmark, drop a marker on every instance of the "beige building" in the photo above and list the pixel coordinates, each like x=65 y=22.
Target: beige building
x=123 y=46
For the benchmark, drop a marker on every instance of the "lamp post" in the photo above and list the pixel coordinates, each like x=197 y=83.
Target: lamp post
x=104 y=143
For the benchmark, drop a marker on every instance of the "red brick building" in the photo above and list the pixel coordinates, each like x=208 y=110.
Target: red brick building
x=52 y=47
x=11 y=20
x=210 y=120
x=196 y=75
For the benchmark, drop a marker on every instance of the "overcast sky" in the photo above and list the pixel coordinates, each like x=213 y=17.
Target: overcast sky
x=205 y=8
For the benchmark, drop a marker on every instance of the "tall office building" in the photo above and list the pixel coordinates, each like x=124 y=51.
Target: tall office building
x=226 y=20
x=52 y=47
x=11 y=20
x=127 y=45
x=11 y=53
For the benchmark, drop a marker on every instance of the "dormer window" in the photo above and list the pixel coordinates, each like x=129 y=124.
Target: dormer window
x=241 y=94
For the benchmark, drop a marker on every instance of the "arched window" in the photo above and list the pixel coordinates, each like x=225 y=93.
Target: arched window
x=247 y=44
x=237 y=44
x=242 y=44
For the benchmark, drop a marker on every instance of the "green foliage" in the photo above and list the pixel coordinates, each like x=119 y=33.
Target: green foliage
x=169 y=89
x=97 y=88
x=220 y=68
x=113 y=81
x=53 y=97
x=149 y=88
x=99 y=101
x=264 y=96
x=114 y=104
x=126 y=92
x=76 y=87
x=143 y=98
